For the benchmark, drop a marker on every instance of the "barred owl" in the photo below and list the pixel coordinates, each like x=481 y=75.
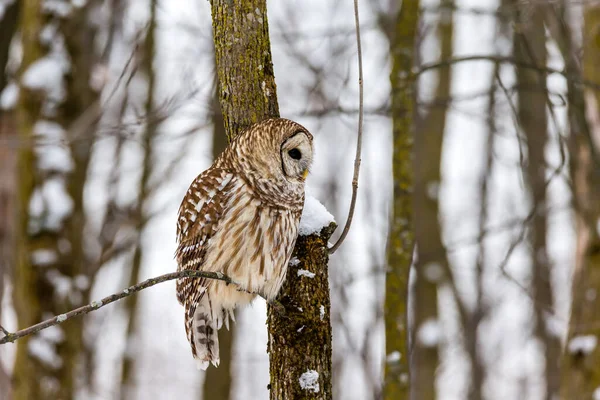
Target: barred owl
x=240 y=217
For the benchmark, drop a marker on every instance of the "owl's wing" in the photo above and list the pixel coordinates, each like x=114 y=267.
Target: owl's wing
x=199 y=214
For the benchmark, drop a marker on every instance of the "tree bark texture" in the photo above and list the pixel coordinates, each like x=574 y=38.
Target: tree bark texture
x=247 y=90
x=401 y=235
x=39 y=282
x=581 y=370
x=300 y=340
x=8 y=172
x=247 y=94
x=431 y=265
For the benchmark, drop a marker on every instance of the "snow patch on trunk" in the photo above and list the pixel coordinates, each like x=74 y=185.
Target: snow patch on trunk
x=314 y=217
x=310 y=381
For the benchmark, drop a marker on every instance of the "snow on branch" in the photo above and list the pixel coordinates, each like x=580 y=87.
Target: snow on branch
x=315 y=217
x=95 y=305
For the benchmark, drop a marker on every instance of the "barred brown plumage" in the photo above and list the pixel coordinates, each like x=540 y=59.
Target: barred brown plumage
x=240 y=217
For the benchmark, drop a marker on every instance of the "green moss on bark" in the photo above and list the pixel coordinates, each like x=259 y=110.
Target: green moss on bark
x=300 y=340
x=401 y=235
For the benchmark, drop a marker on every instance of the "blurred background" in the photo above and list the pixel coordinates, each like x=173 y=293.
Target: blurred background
x=108 y=111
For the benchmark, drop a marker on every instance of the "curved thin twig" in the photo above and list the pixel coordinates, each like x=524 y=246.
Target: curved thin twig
x=339 y=242
x=95 y=305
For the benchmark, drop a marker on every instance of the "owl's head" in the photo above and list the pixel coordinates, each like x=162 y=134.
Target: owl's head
x=275 y=149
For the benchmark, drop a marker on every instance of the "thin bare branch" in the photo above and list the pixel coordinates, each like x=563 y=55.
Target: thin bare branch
x=508 y=60
x=3 y=330
x=339 y=242
x=96 y=305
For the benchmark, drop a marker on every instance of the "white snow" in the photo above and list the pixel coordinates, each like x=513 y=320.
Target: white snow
x=43 y=257
x=62 y=283
x=308 y=274
x=61 y=318
x=310 y=381
x=393 y=357
x=9 y=96
x=596 y=395
x=49 y=130
x=81 y=282
x=433 y=271
x=48 y=33
x=583 y=344
x=322 y=312
x=429 y=333
x=60 y=8
x=314 y=217
x=51 y=147
x=53 y=334
x=55 y=197
x=44 y=351
x=294 y=261
x=47 y=74
x=96 y=304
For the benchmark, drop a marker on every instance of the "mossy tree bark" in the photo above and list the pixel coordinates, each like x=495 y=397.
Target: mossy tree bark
x=401 y=236
x=580 y=375
x=50 y=252
x=247 y=94
x=431 y=265
x=300 y=341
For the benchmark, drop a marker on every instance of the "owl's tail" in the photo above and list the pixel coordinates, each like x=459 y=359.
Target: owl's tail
x=202 y=333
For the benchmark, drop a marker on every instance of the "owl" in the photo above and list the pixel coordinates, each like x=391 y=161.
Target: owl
x=240 y=217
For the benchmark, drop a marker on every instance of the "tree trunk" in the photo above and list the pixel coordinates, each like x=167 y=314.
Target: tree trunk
x=128 y=385
x=401 y=235
x=581 y=367
x=247 y=94
x=8 y=172
x=247 y=90
x=300 y=341
x=530 y=47
x=50 y=275
x=431 y=266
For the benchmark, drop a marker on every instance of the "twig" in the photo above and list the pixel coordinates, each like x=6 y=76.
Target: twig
x=339 y=242
x=507 y=60
x=95 y=305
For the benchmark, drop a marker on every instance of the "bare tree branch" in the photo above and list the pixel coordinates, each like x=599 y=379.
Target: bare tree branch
x=508 y=60
x=96 y=305
x=339 y=242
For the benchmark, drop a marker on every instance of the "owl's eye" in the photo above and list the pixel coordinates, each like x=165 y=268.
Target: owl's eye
x=295 y=154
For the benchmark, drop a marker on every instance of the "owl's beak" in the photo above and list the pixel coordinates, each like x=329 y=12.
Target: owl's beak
x=304 y=174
